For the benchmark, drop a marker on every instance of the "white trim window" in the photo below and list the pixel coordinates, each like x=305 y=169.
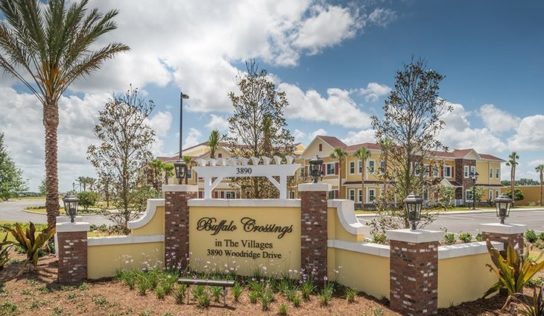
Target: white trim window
x=371 y=166
x=351 y=194
x=490 y=195
x=490 y=173
x=447 y=171
x=330 y=168
x=472 y=170
x=360 y=199
x=360 y=166
x=371 y=196
x=468 y=195
x=382 y=166
x=498 y=173
x=467 y=171
x=352 y=167
x=230 y=195
x=435 y=171
x=496 y=193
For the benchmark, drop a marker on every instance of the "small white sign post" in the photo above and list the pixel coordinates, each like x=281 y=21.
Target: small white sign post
x=214 y=171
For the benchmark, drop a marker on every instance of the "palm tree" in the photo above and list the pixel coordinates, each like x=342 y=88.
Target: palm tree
x=362 y=154
x=340 y=154
x=386 y=145
x=512 y=163
x=213 y=142
x=47 y=48
x=540 y=169
x=168 y=171
x=188 y=160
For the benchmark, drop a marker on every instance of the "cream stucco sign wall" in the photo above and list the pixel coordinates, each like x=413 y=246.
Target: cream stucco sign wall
x=244 y=238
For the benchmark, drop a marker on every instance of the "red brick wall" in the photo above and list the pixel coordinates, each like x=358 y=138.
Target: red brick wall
x=72 y=249
x=314 y=233
x=515 y=239
x=414 y=277
x=176 y=229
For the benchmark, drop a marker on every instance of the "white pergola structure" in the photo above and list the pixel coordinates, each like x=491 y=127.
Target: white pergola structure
x=213 y=171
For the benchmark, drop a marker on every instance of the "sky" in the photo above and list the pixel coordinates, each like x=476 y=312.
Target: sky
x=335 y=60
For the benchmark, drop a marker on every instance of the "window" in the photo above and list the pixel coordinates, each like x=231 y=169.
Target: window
x=360 y=166
x=330 y=168
x=291 y=194
x=467 y=171
x=498 y=173
x=371 y=166
x=333 y=194
x=496 y=193
x=382 y=166
x=219 y=155
x=472 y=170
x=320 y=147
x=468 y=195
x=490 y=173
x=230 y=195
x=490 y=195
x=351 y=195
x=371 y=195
x=351 y=167
x=360 y=195
x=435 y=171
x=447 y=171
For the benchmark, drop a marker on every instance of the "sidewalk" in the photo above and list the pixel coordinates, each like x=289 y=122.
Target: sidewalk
x=476 y=211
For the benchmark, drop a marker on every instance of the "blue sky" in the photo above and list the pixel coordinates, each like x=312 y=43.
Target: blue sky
x=331 y=58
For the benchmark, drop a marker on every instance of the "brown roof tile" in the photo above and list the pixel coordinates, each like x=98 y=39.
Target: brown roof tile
x=333 y=141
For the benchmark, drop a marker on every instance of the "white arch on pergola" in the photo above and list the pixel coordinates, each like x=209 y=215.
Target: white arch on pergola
x=213 y=171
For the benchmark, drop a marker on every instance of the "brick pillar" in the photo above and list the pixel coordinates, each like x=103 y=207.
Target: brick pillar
x=313 y=233
x=176 y=224
x=72 y=251
x=414 y=271
x=505 y=233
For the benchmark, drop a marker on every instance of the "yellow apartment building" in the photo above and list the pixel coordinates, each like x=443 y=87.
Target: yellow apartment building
x=449 y=168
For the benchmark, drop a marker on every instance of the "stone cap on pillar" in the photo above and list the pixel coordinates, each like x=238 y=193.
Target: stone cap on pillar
x=66 y=227
x=507 y=229
x=66 y=218
x=179 y=188
x=314 y=187
x=415 y=236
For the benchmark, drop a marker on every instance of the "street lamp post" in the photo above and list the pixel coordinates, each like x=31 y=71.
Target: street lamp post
x=70 y=205
x=474 y=177
x=180 y=166
x=502 y=205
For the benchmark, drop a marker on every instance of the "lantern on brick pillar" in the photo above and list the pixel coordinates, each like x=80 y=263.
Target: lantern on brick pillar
x=413 y=204
x=502 y=204
x=70 y=205
x=315 y=168
x=181 y=170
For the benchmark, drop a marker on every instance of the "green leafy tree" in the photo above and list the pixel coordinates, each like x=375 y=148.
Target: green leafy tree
x=87 y=199
x=124 y=149
x=518 y=195
x=213 y=142
x=46 y=47
x=512 y=163
x=540 y=170
x=43 y=188
x=257 y=126
x=340 y=155
x=168 y=171
x=11 y=180
x=362 y=154
x=412 y=120
x=446 y=195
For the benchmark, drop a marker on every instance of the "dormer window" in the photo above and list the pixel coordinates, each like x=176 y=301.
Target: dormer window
x=320 y=147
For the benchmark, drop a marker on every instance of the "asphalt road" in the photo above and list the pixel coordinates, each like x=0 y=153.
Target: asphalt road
x=470 y=222
x=13 y=210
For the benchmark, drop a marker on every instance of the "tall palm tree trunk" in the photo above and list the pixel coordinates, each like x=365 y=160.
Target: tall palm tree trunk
x=512 y=184
x=541 y=187
x=51 y=122
x=363 y=193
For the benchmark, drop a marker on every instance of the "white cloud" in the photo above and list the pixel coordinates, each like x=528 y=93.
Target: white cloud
x=382 y=17
x=337 y=108
x=374 y=91
x=161 y=123
x=362 y=136
x=328 y=26
x=497 y=120
x=218 y=122
x=317 y=132
x=529 y=134
x=299 y=136
x=458 y=133
x=193 y=138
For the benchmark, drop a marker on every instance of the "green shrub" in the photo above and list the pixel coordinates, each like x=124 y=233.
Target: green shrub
x=253 y=296
x=143 y=284
x=283 y=310
x=30 y=243
x=197 y=291
x=479 y=237
x=465 y=237
x=179 y=293
x=532 y=306
x=350 y=295
x=160 y=292
x=237 y=291
x=379 y=238
x=531 y=236
x=449 y=238
x=5 y=246
x=541 y=236
x=216 y=293
x=87 y=199
x=267 y=297
x=296 y=300
x=203 y=300
x=307 y=288
x=326 y=294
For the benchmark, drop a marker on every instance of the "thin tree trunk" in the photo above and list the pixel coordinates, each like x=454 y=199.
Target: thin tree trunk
x=512 y=183
x=541 y=186
x=363 y=193
x=51 y=122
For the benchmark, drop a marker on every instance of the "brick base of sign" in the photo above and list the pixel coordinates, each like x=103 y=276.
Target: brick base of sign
x=72 y=252
x=414 y=277
x=314 y=233
x=515 y=239
x=176 y=229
